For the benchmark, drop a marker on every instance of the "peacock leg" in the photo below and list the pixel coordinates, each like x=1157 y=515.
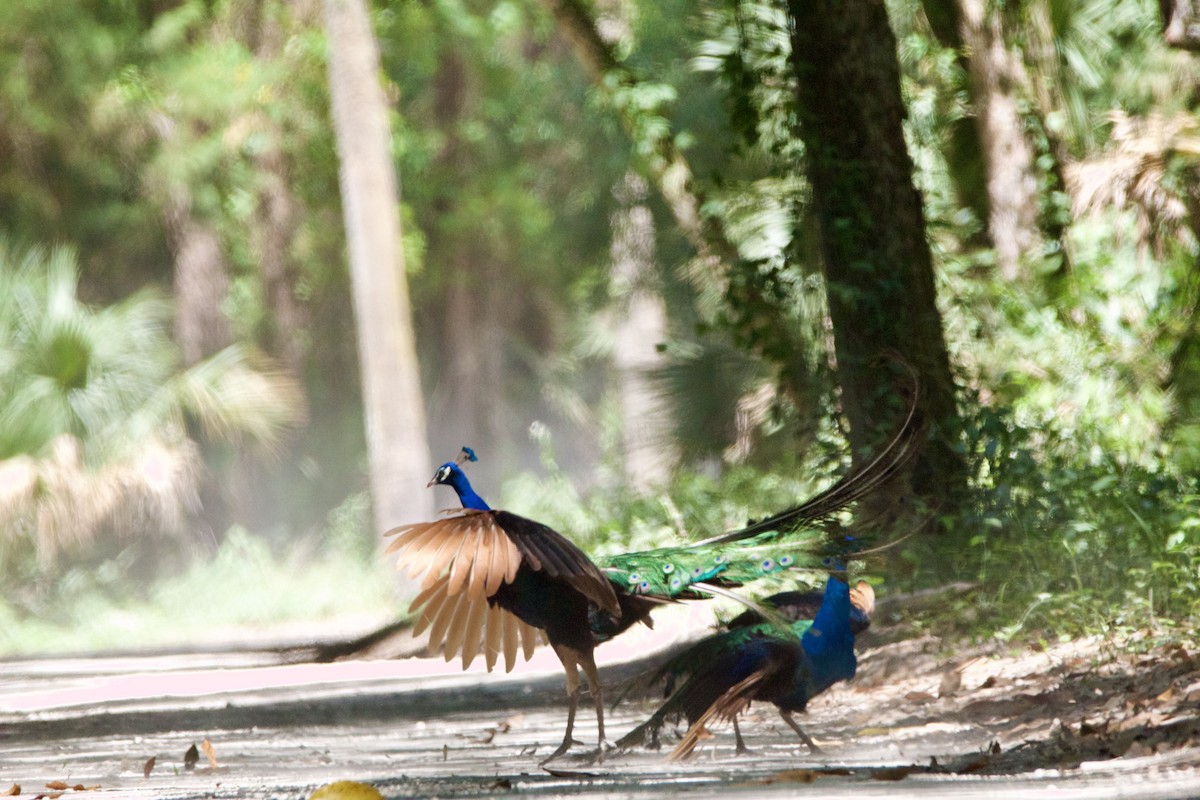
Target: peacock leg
x=569 y=659
x=804 y=737
x=588 y=662
x=742 y=750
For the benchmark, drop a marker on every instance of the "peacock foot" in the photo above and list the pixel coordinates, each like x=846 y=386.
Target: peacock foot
x=562 y=748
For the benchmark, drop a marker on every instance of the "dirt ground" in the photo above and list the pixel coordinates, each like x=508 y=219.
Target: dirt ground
x=1085 y=719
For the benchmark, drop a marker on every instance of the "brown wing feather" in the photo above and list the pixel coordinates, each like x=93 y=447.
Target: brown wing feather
x=734 y=701
x=437 y=632
x=473 y=631
x=428 y=604
x=471 y=548
x=511 y=641
x=494 y=631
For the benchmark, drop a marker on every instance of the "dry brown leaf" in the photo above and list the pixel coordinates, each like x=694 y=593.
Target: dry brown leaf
x=191 y=757
x=148 y=767
x=209 y=752
x=57 y=785
x=12 y=790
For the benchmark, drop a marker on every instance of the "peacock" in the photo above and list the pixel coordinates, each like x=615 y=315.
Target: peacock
x=800 y=647
x=495 y=582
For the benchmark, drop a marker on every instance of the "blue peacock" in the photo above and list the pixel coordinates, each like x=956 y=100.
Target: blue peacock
x=801 y=647
x=497 y=583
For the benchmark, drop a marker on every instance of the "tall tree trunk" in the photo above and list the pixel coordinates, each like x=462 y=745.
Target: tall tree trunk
x=639 y=324
x=878 y=267
x=392 y=404
x=1181 y=23
x=201 y=282
x=995 y=73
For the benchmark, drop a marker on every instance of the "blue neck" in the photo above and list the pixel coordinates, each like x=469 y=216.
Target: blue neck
x=829 y=643
x=459 y=483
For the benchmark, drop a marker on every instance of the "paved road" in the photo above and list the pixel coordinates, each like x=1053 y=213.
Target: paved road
x=420 y=728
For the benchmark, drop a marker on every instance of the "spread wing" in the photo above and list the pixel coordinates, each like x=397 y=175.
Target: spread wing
x=478 y=550
x=466 y=623
x=475 y=549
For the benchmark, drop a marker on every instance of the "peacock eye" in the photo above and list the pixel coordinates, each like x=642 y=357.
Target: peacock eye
x=785 y=561
x=668 y=569
x=767 y=564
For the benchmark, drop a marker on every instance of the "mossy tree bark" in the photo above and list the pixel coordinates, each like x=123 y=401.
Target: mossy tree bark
x=877 y=262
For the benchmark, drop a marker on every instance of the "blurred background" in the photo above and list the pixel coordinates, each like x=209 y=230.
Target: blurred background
x=183 y=455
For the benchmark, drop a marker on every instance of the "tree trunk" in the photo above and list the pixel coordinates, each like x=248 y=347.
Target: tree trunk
x=392 y=404
x=995 y=73
x=1181 y=23
x=639 y=324
x=201 y=283
x=878 y=267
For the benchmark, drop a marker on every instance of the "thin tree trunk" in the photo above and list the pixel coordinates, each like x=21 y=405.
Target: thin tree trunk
x=878 y=267
x=393 y=407
x=995 y=73
x=639 y=325
x=201 y=283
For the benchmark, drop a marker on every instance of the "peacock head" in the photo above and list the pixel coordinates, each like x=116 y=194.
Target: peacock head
x=452 y=475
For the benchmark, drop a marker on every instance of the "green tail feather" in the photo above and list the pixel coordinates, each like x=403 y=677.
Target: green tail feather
x=673 y=572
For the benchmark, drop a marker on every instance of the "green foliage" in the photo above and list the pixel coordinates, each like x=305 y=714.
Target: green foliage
x=94 y=412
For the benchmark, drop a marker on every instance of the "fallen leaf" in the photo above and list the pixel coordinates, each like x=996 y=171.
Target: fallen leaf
x=57 y=785
x=12 y=790
x=191 y=757
x=148 y=767
x=1167 y=695
x=209 y=752
x=918 y=697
